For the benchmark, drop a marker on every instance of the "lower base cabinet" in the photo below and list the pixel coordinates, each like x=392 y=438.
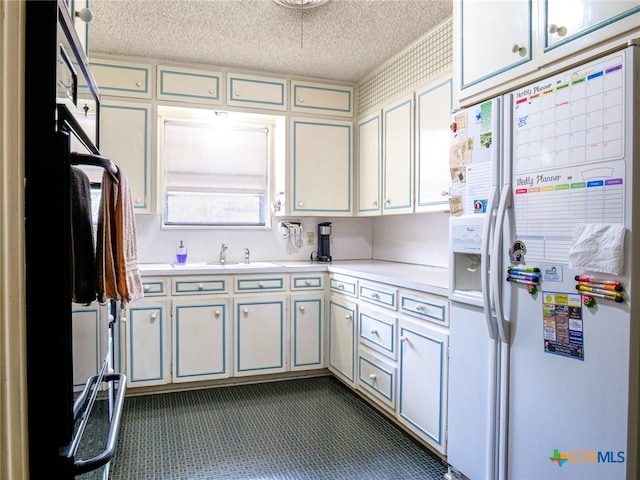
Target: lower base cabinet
x=146 y=343
x=422 y=386
x=88 y=324
x=342 y=338
x=200 y=337
x=307 y=332
x=260 y=335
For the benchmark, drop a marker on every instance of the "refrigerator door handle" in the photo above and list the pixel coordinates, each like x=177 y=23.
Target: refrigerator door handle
x=486 y=270
x=496 y=277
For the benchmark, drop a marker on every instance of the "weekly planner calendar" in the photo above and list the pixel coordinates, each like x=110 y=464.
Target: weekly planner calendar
x=568 y=156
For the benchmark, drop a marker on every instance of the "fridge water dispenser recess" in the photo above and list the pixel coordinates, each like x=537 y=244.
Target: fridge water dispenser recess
x=465 y=256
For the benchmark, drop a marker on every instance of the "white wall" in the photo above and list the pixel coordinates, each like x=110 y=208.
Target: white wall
x=420 y=238
x=351 y=239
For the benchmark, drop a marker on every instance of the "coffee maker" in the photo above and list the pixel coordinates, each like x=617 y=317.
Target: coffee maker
x=324 y=235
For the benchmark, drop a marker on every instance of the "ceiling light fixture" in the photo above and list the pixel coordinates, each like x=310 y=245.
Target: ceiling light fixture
x=301 y=5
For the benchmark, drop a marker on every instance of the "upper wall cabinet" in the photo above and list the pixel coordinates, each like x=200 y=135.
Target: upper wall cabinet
x=434 y=104
x=321 y=99
x=397 y=144
x=321 y=167
x=529 y=36
x=188 y=85
x=122 y=79
x=369 y=165
x=256 y=92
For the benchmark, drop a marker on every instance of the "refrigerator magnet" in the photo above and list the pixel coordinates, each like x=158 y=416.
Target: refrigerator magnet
x=517 y=252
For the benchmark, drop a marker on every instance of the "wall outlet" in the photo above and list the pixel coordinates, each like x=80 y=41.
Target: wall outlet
x=310 y=240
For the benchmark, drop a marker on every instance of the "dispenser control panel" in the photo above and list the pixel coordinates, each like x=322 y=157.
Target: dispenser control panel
x=466 y=237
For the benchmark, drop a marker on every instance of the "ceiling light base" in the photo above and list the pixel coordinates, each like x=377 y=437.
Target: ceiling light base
x=301 y=3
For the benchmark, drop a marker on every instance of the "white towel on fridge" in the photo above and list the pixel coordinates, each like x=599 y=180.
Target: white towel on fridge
x=598 y=247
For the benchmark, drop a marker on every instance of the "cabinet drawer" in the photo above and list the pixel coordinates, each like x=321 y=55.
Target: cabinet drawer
x=187 y=85
x=122 y=79
x=154 y=287
x=257 y=92
x=382 y=296
x=378 y=332
x=424 y=306
x=377 y=378
x=323 y=99
x=307 y=282
x=196 y=285
x=259 y=284
x=343 y=285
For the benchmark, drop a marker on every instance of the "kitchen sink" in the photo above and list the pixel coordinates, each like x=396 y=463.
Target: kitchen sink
x=216 y=265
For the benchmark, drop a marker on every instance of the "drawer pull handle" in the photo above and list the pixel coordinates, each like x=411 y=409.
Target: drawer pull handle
x=373 y=376
x=301 y=308
x=301 y=100
x=146 y=288
x=341 y=286
x=348 y=316
x=210 y=92
x=260 y=285
x=138 y=84
x=237 y=93
x=420 y=307
x=375 y=295
x=374 y=331
x=154 y=316
x=307 y=282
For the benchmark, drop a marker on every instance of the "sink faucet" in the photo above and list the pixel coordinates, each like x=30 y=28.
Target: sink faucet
x=246 y=256
x=223 y=254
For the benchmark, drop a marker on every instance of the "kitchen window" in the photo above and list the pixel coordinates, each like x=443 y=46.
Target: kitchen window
x=216 y=167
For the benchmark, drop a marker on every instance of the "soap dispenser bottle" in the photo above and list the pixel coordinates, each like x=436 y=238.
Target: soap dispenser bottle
x=181 y=253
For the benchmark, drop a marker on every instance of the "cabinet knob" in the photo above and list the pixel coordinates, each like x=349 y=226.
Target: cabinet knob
x=307 y=282
x=373 y=376
x=211 y=92
x=245 y=311
x=301 y=308
x=154 y=316
x=347 y=316
x=375 y=203
x=341 y=286
x=123 y=319
x=403 y=338
x=387 y=202
x=374 y=331
x=260 y=285
x=444 y=193
x=518 y=49
x=553 y=28
x=375 y=295
x=146 y=288
x=200 y=286
x=236 y=93
x=300 y=204
x=217 y=313
x=138 y=84
x=420 y=307
x=138 y=201
x=301 y=100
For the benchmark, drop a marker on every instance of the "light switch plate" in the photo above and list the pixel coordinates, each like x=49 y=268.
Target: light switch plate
x=310 y=238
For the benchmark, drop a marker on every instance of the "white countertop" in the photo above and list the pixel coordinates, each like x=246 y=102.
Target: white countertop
x=416 y=277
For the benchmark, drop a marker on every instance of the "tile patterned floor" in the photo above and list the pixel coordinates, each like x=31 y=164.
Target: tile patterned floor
x=311 y=429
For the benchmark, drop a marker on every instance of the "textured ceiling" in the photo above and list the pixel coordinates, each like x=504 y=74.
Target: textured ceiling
x=343 y=40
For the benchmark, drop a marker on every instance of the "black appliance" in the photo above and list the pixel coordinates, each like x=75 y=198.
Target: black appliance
x=324 y=237
x=58 y=86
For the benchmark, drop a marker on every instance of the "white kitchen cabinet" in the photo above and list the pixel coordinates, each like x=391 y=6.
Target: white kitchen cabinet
x=260 y=335
x=147 y=342
x=422 y=386
x=377 y=378
x=397 y=176
x=122 y=78
x=307 y=331
x=188 y=85
x=321 y=99
x=89 y=324
x=434 y=104
x=125 y=138
x=342 y=338
x=321 y=167
x=256 y=92
x=530 y=37
x=369 y=179
x=201 y=333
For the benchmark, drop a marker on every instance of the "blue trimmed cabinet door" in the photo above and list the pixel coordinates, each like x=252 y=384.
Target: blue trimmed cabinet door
x=342 y=339
x=307 y=332
x=89 y=343
x=201 y=335
x=147 y=345
x=422 y=390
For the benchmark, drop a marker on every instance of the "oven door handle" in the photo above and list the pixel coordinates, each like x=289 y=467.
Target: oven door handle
x=84 y=466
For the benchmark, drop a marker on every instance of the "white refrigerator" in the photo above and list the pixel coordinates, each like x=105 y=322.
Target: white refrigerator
x=544 y=359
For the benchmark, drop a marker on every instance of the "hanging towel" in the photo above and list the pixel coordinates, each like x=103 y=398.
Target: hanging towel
x=82 y=249
x=118 y=276
x=598 y=247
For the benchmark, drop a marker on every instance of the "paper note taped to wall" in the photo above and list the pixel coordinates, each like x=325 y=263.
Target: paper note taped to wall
x=456 y=205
